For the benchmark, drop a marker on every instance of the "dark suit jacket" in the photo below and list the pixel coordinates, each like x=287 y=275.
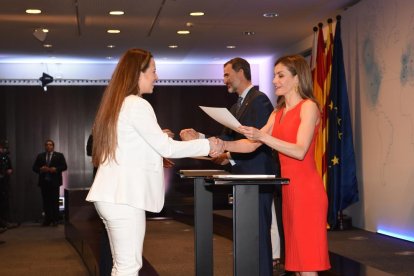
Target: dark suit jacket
x=255 y=111
x=58 y=161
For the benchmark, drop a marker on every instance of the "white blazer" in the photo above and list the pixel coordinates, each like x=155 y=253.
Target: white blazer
x=136 y=178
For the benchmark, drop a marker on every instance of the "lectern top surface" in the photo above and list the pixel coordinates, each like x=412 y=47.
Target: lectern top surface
x=201 y=173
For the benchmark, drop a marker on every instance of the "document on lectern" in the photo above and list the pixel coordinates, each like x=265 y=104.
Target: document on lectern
x=195 y=173
x=223 y=116
x=245 y=176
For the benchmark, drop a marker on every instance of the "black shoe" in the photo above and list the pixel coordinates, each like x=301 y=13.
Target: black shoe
x=278 y=267
x=3 y=229
x=46 y=223
x=54 y=223
x=2 y=242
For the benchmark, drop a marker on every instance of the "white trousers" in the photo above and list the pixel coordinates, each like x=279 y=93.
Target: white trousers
x=274 y=234
x=125 y=226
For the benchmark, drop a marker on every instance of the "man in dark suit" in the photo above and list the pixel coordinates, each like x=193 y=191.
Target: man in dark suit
x=50 y=165
x=5 y=171
x=253 y=108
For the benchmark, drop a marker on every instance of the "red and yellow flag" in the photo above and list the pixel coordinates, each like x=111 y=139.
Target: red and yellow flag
x=319 y=79
x=325 y=117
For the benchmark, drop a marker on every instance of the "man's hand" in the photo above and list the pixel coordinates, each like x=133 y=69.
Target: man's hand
x=188 y=134
x=221 y=159
x=216 y=146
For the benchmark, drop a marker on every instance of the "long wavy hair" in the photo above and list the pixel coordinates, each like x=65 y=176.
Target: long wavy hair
x=297 y=65
x=124 y=82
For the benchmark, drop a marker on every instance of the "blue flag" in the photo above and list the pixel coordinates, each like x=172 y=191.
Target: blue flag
x=342 y=185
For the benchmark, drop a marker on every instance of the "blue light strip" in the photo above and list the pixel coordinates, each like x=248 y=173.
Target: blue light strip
x=395 y=235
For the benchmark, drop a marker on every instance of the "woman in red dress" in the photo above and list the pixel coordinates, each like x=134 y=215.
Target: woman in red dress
x=291 y=130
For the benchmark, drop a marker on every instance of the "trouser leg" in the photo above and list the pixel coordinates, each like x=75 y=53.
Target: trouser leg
x=46 y=204
x=126 y=230
x=54 y=203
x=274 y=234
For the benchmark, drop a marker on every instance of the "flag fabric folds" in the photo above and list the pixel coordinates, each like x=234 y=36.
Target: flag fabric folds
x=342 y=186
x=319 y=78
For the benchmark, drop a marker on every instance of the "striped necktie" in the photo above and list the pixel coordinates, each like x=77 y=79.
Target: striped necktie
x=238 y=104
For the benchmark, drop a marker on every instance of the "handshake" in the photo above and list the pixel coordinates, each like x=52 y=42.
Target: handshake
x=217 y=146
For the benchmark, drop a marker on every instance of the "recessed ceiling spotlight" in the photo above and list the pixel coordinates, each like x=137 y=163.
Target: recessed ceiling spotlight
x=270 y=14
x=249 y=33
x=189 y=24
x=183 y=32
x=116 y=12
x=33 y=11
x=111 y=46
x=230 y=47
x=196 y=13
x=45 y=30
x=48 y=45
x=113 y=31
x=172 y=46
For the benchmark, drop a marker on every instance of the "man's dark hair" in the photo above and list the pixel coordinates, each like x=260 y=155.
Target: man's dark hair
x=239 y=63
x=50 y=140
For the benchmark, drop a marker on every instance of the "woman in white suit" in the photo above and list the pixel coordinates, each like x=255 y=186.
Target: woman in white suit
x=128 y=148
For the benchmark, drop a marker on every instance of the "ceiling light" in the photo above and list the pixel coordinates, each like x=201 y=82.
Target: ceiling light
x=109 y=57
x=230 y=47
x=183 y=32
x=33 y=11
x=270 y=14
x=45 y=30
x=47 y=45
x=249 y=33
x=111 y=46
x=116 y=12
x=172 y=46
x=113 y=31
x=197 y=13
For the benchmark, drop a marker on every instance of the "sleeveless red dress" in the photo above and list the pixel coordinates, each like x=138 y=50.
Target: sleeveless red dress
x=304 y=204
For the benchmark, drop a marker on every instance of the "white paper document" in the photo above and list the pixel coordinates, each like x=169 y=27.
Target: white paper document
x=246 y=176
x=223 y=116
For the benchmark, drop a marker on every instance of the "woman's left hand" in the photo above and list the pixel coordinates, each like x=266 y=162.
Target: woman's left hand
x=251 y=133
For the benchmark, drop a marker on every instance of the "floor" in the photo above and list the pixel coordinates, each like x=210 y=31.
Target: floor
x=34 y=250
x=38 y=251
